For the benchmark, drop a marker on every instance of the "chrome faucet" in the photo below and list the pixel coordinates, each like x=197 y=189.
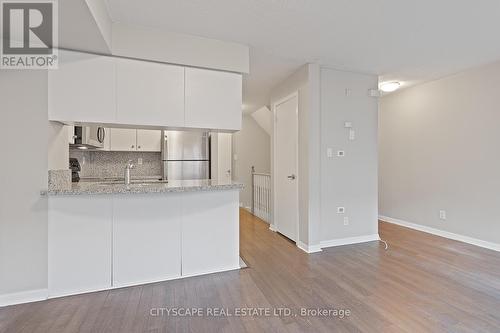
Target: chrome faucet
x=128 y=167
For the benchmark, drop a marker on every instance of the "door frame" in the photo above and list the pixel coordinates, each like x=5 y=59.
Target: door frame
x=274 y=225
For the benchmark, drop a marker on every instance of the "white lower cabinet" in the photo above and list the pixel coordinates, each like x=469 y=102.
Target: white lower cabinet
x=146 y=238
x=210 y=232
x=79 y=240
x=99 y=242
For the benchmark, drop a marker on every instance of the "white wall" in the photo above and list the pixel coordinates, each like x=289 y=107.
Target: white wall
x=264 y=117
x=305 y=81
x=163 y=46
x=23 y=173
x=252 y=145
x=439 y=151
x=327 y=183
x=350 y=181
x=58 y=149
x=84 y=25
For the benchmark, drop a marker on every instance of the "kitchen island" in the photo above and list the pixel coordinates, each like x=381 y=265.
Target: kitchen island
x=109 y=235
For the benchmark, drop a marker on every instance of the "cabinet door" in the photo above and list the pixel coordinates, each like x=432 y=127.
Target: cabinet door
x=210 y=232
x=149 y=93
x=148 y=140
x=146 y=238
x=213 y=99
x=79 y=240
x=123 y=139
x=82 y=89
x=71 y=134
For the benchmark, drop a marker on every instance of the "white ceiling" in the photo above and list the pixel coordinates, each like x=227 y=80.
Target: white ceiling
x=410 y=41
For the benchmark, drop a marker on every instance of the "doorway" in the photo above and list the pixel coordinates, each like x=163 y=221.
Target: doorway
x=285 y=141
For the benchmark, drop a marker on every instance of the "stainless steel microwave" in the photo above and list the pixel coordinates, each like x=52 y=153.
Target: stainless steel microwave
x=90 y=137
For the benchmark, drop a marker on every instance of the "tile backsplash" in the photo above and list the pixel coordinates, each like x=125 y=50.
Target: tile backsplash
x=110 y=164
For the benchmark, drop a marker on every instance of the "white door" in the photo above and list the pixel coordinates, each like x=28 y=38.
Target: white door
x=285 y=171
x=224 y=156
x=148 y=140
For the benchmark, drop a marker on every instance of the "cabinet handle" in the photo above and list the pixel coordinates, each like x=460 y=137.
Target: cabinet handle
x=138 y=147
x=132 y=146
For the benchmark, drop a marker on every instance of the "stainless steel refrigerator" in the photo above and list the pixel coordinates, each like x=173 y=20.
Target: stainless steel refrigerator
x=185 y=155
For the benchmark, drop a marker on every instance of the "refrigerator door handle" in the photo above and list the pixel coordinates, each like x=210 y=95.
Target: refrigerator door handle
x=164 y=152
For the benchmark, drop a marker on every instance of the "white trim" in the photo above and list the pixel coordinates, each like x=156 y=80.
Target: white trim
x=350 y=240
x=272 y=227
x=442 y=233
x=309 y=248
x=64 y=293
x=139 y=283
x=226 y=269
x=24 y=297
x=274 y=224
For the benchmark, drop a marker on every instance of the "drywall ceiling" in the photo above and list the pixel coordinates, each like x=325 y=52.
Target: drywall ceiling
x=411 y=41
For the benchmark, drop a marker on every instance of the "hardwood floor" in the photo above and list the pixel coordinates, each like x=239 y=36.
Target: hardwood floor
x=423 y=283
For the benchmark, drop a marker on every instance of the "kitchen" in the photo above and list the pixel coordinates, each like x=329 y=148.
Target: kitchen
x=144 y=199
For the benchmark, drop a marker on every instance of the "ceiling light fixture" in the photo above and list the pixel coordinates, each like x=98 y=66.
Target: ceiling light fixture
x=390 y=86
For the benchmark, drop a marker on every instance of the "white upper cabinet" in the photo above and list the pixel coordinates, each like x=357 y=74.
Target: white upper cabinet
x=89 y=88
x=82 y=89
x=148 y=140
x=123 y=139
x=213 y=99
x=149 y=93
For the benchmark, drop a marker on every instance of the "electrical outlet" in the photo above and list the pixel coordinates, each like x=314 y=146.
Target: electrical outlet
x=340 y=210
x=346 y=220
x=139 y=161
x=442 y=215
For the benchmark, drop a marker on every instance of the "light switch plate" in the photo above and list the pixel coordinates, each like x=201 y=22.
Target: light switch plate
x=348 y=124
x=329 y=152
x=139 y=161
x=352 y=134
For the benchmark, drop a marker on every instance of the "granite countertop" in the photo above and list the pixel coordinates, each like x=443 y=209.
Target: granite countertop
x=137 y=187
